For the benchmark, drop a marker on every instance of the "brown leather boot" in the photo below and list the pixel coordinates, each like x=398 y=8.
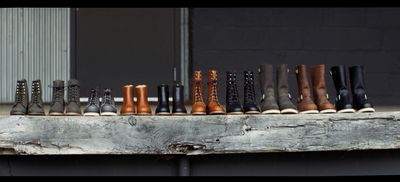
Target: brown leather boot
x=213 y=106
x=305 y=104
x=143 y=107
x=319 y=89
x=128 y=106
x=198 y=107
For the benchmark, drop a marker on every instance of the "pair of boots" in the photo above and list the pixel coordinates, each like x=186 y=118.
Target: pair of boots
x=128 y=106
x=21 y=105
x=105 y=108
x=58 y=104
x=213 y=106
x=178 y=105
x=269 y=103
x=343 y=98
x=233 y=105
x=306 y=102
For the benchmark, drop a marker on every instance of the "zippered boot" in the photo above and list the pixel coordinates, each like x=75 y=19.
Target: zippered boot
x=213 y=105
x=360 y=99
x=233 y=105
x=343 y=100
x=198 y=106
x=284 y=98
x=305 y=103
x=178 y=104
x=107 y=107
x=20 y=106
x=143 y=107
x=249 y=104
x=74 y=104
x=128 y=105
x=320 y=91
x=36 y=104
x=268 y=98
x=57 y=104
x=163 y=102
x=93 y=106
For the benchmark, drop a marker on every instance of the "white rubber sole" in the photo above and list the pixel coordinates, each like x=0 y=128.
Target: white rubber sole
x=369 y=109
x=108 y=114
x=252 y=112
x=235 y=113
x=91 y=114
x=289 y=111
x=328 y=111
x=271 y=111
x=310 y=112
x=217 y=112
x=347 y=111
x=199 y=113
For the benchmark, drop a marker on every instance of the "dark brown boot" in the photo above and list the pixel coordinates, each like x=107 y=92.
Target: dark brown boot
x=319 y=89
x=305 y=104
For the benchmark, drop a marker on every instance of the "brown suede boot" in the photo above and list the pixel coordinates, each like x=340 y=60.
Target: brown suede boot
x=319 y=89
x=143 y=107
x=128 y=106
x=198 y=107
x=213 y=106
x=305 y=104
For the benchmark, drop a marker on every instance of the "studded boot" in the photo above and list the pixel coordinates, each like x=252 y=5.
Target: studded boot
x=343 y=100
x=268 y=99
x=57 y=104
x=249 y=104
x=213 y=105
x=360 y=99
x=36 y=104
x=20 y=106
x=233 y=105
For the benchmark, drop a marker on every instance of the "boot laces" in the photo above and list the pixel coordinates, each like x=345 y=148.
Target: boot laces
x=249 y=89
x=108 y=98
x=214 y=91
x=197 y=94
x=73 y=92
x=58 y=94
x=93 y=96
x=36 y=92
x=20 y=92
x=233 y=95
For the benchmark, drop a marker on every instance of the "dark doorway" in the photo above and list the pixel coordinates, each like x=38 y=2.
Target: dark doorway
x=117 y=46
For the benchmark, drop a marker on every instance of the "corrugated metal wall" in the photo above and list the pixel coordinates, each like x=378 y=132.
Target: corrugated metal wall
x=35 y=44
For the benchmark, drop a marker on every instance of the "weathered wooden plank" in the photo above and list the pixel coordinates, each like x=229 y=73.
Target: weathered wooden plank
x=195 y=135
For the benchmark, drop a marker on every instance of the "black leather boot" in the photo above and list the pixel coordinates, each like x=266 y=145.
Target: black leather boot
x=360 y=99
x=20 y=106
x=178 y=104
x=74 y=104
x=268 y=99
x=93 y=106
x=107 y=107
x=36 y=104
x=163 y=102
x=343 y=98
x=250 y=104
x=233 y=105
x=57 y=104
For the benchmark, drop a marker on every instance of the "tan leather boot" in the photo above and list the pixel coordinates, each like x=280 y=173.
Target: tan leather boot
x=198 y=107
x=128 y=106
x=319 y=89
x=305 y=104
x=143 y=107
x=213 y=106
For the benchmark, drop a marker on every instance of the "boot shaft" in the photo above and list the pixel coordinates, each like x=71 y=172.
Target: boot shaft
x=58 y=91
x=74 y=91
x=143 y=106
x=318 y=81
x=302 y=81
x=266 y=77
x=197 y=87
x=339 y=77
x=36 y=92
x=21 y=93
x=357 y=82
x=178 y=105
x=212 y=84
x=282 y=78
x=128 y=106
x=163 y=102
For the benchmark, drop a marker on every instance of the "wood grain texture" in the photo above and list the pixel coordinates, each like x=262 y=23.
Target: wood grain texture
x=198 y=135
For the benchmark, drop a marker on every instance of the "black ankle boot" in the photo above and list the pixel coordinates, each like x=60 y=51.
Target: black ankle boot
x=20 y=106
x=57 y=104
x=233 y=105
x=343 y=99
x=250 y=104
x=107 y=107
x=360 y=99
x=178 y=104
x=36 y=105
x=163 y=102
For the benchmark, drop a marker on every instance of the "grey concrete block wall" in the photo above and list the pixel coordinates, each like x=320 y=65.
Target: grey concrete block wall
x=237 y=39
